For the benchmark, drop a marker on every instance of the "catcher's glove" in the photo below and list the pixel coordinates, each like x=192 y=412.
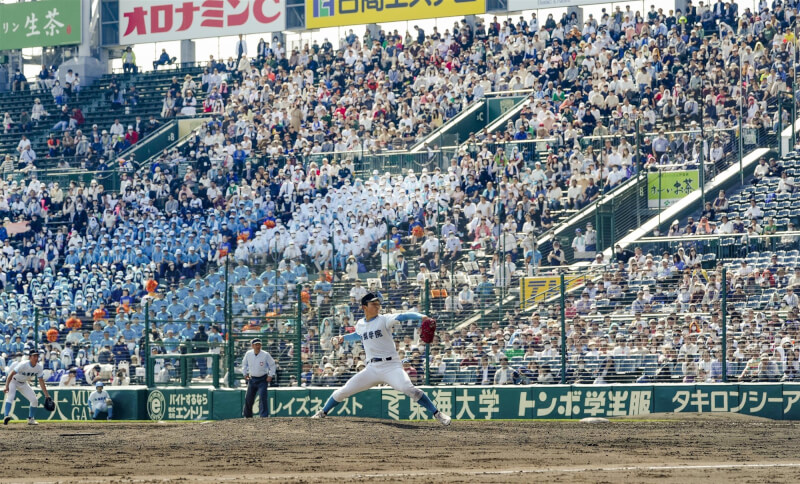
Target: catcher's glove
x=427 y=330
x=49 y=404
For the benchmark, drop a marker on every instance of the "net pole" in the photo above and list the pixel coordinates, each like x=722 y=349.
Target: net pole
x=36 y=329
x=724 y=325
x=148 y=376
x=638 y=167
x=298 y=336
x=231 y=342
x=563 y=332
x=741 y=150
x=427 y=307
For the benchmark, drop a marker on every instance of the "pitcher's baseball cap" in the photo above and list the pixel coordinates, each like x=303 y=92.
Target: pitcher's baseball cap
x=255 y=341
x=368 y=299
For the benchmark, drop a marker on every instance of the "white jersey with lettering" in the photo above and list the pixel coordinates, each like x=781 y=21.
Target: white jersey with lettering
x=377 y=337
x=97 y=400
x=25 y=371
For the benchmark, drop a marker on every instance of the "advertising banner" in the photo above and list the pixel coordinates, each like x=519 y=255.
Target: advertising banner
x=337 y=13
x=179 y=404
x=40 y=24
x=534 y=290
x=667 y=187
x=72 y=403
x=517 y=5
x=778 y=401
x=142 y=21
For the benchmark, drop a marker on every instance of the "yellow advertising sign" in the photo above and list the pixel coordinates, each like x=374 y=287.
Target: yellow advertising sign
x=337 y=13
x=536 y=289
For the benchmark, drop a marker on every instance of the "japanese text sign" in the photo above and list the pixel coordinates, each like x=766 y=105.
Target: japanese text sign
x=537 y=289
x=335 y=13
x=667 y=187
x=162 y=20
x=40 y=24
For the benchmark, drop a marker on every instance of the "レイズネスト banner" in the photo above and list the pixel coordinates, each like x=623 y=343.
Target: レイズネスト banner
x=143 y=21
x=40 y=24
x=336 y=13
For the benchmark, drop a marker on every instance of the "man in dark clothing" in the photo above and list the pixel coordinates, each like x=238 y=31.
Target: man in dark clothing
x=200 y=345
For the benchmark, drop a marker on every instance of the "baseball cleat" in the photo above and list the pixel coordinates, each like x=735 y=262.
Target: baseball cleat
x=6 y=420
x=32 y=421
x=443 y=418
x=319 y=414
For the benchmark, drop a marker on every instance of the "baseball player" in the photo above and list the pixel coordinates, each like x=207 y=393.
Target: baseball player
x=18 y=379
x=100 y=401
x=383 y=364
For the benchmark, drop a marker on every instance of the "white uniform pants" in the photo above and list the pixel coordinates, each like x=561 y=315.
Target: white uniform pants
x=388 y=372
x=25 y=390
x=100 y=407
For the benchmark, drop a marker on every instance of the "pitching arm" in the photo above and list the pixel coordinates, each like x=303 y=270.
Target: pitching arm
x=409 y=316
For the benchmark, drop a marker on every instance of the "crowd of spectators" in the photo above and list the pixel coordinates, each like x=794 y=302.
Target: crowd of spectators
x=247 y=188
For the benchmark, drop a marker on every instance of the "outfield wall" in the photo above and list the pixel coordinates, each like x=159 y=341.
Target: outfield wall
x=771 y=400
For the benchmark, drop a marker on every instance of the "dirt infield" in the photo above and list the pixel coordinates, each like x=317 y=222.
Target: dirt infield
x=673 y=449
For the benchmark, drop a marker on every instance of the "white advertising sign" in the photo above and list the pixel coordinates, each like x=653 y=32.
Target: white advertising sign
x=142 y=21
x=518 y=5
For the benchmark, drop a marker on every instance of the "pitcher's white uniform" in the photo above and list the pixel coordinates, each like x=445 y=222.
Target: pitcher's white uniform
x=378 y=340
x=24 y=372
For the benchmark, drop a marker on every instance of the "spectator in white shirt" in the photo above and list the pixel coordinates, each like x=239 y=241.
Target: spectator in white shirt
x=116 y=129
x=790 y=299
x=753 y=211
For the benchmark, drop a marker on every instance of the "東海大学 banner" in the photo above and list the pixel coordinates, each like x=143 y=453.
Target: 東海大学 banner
x=337 y=13
x=40 y=24
x=142 y=21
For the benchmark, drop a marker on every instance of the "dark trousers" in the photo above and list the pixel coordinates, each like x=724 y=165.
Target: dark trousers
x=256 y=385
x=202 y=365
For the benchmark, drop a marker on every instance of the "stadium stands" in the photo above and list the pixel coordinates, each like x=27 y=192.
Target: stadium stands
x=300 y=174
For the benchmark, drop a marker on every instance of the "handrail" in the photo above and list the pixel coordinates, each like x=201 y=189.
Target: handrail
x=418 y=146
x=689 y=238
x=140 y=145
x=465 y=112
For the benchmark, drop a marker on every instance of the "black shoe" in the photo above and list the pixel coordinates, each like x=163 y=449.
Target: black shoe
x=6 y=420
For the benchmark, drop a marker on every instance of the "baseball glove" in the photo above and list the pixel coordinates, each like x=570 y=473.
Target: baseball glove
x=427 y=330
x=49 y=404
